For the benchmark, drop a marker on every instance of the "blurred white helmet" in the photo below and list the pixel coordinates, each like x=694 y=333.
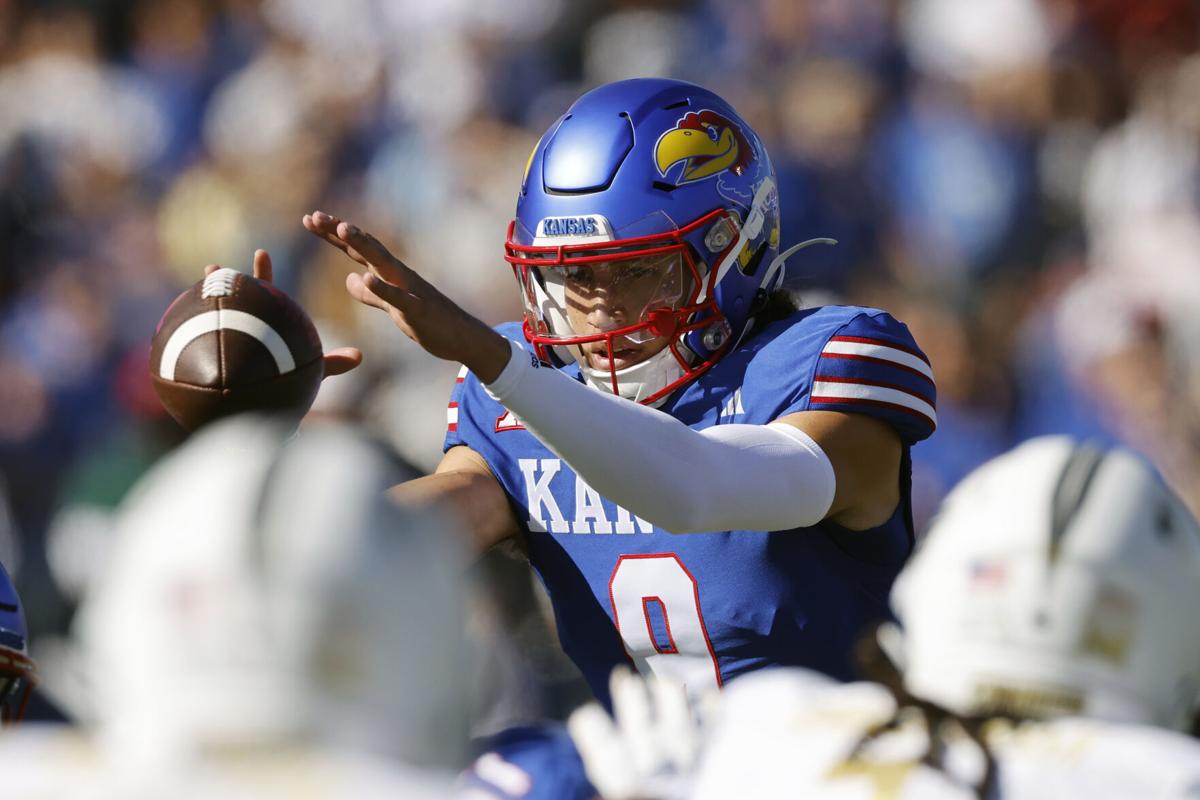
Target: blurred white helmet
x=1059 y=578
x=264 y=591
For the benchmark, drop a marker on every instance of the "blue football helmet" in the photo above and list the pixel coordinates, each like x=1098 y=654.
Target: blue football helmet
x=648 y=221
x=17 y=673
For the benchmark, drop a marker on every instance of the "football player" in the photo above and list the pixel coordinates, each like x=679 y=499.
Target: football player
x=1048 y=648
x=18 y=674
x=270 y=626
x=661 y=384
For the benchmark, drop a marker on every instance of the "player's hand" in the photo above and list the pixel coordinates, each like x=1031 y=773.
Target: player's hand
x=424 y=314
x=338 y=360
x=647 y=749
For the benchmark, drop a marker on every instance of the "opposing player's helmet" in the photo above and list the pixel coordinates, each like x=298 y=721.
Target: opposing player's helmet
x=280 y=597
x=1059 y=578
x=661 y=186
x=17 y=673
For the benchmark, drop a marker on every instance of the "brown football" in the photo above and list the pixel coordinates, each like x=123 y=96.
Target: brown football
x=233 y=343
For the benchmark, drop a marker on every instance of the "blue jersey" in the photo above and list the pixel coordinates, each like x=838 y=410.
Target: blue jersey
x=703 y=608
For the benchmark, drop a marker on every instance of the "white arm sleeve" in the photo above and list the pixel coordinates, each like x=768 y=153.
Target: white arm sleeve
x=727 y=477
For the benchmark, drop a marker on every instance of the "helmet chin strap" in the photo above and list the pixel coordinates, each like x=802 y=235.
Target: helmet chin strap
x=639 y=380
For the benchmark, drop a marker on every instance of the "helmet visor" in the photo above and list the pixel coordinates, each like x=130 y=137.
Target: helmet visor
x=613 y=299
x=639 y=285
x=607 y=296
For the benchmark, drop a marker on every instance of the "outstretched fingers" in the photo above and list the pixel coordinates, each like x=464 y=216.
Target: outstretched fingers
x=381 y=261
x=371 y=291
x=357 y=287
x=323 y=226
x=366 y=250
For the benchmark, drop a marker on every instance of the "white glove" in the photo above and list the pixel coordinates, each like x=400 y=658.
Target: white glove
x=649 y=750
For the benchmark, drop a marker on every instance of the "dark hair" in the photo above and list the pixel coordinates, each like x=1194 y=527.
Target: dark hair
x=779 y=304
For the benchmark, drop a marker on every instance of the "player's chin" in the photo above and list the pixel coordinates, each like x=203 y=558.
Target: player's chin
x=621 y=357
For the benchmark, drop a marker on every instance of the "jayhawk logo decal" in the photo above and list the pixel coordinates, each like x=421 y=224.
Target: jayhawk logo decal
x=706 y=144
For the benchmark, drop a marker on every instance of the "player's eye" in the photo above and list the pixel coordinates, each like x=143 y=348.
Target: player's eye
x=577 y=275
x=584 y=275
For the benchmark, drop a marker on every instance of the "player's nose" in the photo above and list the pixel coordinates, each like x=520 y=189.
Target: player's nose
x=604 y=315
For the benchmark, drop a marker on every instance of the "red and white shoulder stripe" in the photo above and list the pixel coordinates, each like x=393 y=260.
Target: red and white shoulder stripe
x=871 y=384
x=877 y=350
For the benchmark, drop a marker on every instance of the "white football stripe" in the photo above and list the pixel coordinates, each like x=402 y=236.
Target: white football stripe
x=881 y=352
x=863 y=391
x=229 y=320
x=462 y=372
x=452 y=415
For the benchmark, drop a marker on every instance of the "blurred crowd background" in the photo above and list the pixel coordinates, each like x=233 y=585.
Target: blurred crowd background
x=1018 y=180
